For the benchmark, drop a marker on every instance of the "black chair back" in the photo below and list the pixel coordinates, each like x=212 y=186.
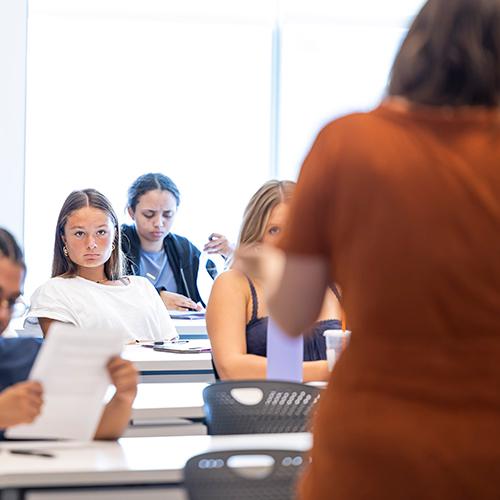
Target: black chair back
x=258 y=407
x=213 y=476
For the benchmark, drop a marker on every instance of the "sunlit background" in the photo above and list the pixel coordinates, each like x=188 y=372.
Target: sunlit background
x=220 y=95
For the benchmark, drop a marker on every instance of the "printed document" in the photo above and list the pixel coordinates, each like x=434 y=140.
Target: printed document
x=71 y=368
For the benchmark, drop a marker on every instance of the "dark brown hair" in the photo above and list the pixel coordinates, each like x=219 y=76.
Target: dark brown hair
x=10 y=249
x=63 y=265
x=151 y=182
x=451 y=55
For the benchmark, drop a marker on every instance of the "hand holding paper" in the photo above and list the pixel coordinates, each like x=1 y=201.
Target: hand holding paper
x=123 y=377
x=71 y=367
x=20 y=403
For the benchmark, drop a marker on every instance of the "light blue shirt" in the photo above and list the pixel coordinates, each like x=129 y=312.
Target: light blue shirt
x=156 y=268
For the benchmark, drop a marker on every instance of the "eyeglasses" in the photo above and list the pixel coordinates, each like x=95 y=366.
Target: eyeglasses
x=17 y=307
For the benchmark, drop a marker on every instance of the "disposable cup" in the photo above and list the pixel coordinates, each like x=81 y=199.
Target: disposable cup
x=336 y=342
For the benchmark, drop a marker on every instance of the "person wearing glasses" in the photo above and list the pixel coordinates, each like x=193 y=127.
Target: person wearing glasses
x=17 y=309
x=168 y=260
x=21 y=400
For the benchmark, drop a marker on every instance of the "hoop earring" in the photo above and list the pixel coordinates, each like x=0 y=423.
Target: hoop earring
x=113 y=247
x=65 y=251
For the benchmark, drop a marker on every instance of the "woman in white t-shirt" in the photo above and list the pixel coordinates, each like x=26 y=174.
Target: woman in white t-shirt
x=87 y=288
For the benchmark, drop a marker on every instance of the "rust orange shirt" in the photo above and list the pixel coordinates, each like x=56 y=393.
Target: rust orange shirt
x=404 y=203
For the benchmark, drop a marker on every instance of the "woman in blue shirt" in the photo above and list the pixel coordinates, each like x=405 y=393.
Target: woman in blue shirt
x=20 y=400
x=168 y=260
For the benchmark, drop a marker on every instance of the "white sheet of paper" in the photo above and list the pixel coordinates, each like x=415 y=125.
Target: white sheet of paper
x=71 y=367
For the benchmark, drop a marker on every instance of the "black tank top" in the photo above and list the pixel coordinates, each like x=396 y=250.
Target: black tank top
x=314 y=342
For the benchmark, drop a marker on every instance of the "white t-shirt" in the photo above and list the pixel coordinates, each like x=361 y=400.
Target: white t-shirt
x=135 y=308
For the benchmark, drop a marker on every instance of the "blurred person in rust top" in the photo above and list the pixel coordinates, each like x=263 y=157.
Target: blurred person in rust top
x=401 y=207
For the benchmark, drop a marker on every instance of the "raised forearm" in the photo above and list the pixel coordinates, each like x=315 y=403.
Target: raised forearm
x=115 y=418
x=297 y=301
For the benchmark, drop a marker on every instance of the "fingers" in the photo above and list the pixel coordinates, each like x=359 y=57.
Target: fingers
x=26 y=400
x=248 y=259
x=117 y=365
x=216 y=248
x=114 y=363
x=217 y=243
x=30 y=391
x=182 y=302
x=31 y=406
x=123 y=375
x=33 y=386
x=214 y=241
x=178 y=302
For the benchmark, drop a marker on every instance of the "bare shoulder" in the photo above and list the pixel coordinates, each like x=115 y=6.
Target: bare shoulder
x=228 y=295
x=231 y=279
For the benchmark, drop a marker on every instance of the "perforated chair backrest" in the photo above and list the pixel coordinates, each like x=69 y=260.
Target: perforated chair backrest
x=211 y=476
x=258 y=407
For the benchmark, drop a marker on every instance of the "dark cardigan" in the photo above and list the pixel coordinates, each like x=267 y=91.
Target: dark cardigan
x=182 y=255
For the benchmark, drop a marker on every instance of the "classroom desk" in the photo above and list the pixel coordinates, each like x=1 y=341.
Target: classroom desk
x=157 y=366
x=191 y=328
x=168 y=409
x=146 y=468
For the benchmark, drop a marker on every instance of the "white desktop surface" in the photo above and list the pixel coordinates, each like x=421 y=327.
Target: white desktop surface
x=151 y=460
x=169 y=400
x=147 y=360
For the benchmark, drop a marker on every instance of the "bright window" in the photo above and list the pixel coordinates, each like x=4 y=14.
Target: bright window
x=219 y=94
x=113 y=94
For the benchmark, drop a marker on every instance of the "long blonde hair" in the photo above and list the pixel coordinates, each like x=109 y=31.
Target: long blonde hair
x=258 y=210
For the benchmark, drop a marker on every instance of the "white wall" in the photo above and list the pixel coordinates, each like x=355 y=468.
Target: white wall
x=13 y=21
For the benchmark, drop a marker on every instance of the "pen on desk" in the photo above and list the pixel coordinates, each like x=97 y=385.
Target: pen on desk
x=33 y=453
x=173 y=341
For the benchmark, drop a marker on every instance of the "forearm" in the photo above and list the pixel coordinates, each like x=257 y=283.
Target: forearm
x=3 y=412
x=290 y=313
x=315 y=371
x=115 y=418
x=296 y=302
x=3 y=421
x=250 y=366
x=242 y=367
